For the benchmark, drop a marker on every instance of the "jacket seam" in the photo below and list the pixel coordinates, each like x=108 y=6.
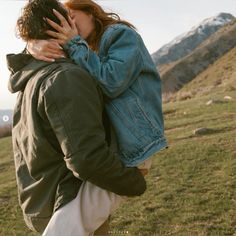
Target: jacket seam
x=60 y=115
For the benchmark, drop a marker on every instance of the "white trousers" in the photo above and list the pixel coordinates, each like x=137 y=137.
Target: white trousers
x=87 y=212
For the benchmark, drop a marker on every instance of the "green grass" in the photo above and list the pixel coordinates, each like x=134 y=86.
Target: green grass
x=11 y=221
x=191 y=186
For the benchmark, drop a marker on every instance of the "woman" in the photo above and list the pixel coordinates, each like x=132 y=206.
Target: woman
x=114 y=54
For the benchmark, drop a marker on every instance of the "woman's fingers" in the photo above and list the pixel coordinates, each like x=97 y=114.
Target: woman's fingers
x=55 y=25
x=54 y=49
x=46 y=50
x=60 y=37
x=64 y=32
x=44 y=58
x=49 y=56
x=144 y=172
x=53 y=55
x=72 y=23
x=56 y=53
x=62 y=19
x=54 y=44
x=53 y=34
x=56 y=35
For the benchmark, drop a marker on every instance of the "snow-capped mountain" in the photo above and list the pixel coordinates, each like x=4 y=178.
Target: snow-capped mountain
x=177 y=74
x=187 y=42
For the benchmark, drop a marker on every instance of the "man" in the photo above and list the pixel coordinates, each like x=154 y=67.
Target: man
x=61 y=136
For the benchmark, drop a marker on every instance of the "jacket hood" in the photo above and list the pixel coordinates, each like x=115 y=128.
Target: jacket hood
x=22 y=67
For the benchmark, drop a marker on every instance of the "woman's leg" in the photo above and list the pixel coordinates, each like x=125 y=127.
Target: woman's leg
x=103 y=230
x=84 y=214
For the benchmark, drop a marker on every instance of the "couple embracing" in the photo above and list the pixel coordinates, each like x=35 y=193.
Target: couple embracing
x=88 y=117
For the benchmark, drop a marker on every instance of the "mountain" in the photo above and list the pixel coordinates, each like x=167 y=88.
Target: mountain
x=187 y=42
x=5 y=117
x=219 y=77
x=179 y=73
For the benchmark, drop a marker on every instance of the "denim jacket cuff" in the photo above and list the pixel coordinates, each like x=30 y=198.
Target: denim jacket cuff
x=77 y=48
x=74 y=42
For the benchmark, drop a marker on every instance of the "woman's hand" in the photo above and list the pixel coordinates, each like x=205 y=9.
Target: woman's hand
x=144 y=172
x=46 y=50
x=65 y=32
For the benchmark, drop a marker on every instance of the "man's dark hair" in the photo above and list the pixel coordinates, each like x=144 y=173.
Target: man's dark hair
x=32 y=23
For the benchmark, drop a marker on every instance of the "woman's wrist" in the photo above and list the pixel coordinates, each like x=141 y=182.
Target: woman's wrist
x=77 y=40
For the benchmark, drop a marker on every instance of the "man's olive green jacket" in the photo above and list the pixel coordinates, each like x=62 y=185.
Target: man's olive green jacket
x=60 y=138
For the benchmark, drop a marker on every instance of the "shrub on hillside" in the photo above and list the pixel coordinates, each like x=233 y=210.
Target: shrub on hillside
x=5 y=131
x=168 y=97
x=181 y=96
x=230 y=88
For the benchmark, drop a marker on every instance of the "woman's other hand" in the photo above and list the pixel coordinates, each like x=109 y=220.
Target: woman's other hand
x=144 y=172
x=46 y=50
x=65 y=32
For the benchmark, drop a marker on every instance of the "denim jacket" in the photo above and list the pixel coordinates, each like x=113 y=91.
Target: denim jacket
x=128 y=77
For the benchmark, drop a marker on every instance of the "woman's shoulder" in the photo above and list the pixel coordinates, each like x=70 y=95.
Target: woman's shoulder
x=118 y=31
x=117 y=28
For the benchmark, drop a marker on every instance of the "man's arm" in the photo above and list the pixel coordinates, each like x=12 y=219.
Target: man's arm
x=74 y=107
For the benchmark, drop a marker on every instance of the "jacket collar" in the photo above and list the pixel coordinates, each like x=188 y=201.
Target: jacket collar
x=23 y=67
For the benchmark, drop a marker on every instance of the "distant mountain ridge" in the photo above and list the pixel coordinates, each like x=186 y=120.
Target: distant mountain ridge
x=5 y=117
x=178 y=74
x=184 y=44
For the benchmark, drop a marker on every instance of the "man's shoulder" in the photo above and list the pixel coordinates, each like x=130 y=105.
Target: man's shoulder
x=69 y=67
x=63 y=74
x=67 y=80
x=67 y=84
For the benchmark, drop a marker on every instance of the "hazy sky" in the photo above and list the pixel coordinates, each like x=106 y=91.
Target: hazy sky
x=158 y=22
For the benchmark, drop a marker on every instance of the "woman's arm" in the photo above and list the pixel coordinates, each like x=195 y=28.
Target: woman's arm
x=116 y=70
x=119 y=68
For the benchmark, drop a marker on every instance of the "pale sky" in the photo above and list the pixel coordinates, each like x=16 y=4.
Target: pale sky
x=158 y=22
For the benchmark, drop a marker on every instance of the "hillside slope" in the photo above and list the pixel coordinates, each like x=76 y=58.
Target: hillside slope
x=175 y=76
x=218 y=77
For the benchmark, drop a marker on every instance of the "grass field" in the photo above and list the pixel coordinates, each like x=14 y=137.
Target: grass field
x=191 y=187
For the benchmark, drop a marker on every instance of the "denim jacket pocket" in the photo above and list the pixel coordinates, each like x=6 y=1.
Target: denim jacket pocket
x=133 y=127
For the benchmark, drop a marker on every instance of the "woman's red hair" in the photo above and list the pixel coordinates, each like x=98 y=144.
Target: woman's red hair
x=102 y=19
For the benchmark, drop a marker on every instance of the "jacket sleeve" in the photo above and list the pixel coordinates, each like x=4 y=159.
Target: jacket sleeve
x=73 y=106
x=116 y=70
